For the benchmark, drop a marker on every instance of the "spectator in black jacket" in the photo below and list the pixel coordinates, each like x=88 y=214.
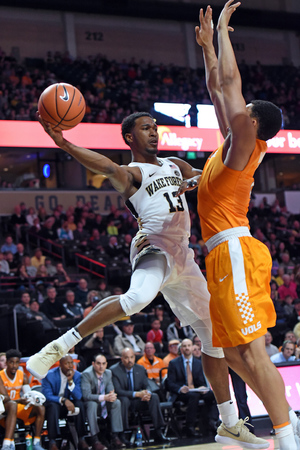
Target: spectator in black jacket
x=81 y=292
x=73 y=309
x=185 y=375
x=53 y=309
x=96 y=344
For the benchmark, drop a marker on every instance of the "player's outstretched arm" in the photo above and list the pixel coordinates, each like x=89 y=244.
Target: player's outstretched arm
x=243 y=133
x=204 y=37
x=120 y=178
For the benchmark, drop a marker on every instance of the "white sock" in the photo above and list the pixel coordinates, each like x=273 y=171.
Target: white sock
x=8 y=442
x=69 y=339
x=36 y=440
x=285 y=436
x=228 y=413
x=294 y=420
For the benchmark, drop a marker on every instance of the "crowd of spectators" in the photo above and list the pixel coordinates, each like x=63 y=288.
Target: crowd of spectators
x=54 y=297
x=113 y=90
x=109 y=238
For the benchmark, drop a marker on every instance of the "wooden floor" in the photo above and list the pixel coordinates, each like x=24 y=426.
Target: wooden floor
x=216 y=446
x=187 y=444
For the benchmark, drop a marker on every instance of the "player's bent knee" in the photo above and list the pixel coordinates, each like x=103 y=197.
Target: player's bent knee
x=133 y=302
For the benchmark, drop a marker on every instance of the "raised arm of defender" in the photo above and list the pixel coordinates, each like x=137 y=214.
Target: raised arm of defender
x=243 y=130
x=204 y=37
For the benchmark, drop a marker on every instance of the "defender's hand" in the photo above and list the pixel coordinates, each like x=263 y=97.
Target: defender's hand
x=226 y=14
x=205 y=32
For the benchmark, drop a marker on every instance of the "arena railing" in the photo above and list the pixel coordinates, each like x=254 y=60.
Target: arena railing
x=91 y=266
x=52 y=248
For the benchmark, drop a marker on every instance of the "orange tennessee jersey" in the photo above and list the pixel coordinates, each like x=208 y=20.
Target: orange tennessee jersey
x=224 y=193
x=14 y=386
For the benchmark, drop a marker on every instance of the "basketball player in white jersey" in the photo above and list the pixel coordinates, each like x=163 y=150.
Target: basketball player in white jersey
x=160 y=255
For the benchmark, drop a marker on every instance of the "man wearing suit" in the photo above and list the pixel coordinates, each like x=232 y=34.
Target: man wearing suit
x=131 y=385
x=62 y=389
x=100 y=399
x=184 y=374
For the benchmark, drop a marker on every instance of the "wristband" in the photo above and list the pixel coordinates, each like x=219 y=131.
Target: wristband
x=192 y=183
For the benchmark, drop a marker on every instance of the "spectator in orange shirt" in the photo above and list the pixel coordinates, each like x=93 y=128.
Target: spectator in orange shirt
x=151 y=363
x=173 y=353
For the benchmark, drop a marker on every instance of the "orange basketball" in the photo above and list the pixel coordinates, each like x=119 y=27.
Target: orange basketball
x=62 y=106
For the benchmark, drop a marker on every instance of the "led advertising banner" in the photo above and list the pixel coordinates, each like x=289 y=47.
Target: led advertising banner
x=291 y=378
x=108 y=137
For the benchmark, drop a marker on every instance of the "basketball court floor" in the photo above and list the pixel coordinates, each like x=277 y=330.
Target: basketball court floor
x=210 y=444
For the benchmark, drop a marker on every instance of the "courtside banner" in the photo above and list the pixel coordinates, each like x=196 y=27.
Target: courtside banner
x=291 y=378
x=108 y=137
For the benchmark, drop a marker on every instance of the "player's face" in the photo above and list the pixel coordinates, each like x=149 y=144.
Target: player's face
x=144 y=136
x=12 y=365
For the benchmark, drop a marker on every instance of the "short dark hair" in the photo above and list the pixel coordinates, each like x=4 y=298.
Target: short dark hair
x=129 y=122
x=154 y=319
x=269 y=118
x=13 y=353
x=285 y=343
x=96 y=356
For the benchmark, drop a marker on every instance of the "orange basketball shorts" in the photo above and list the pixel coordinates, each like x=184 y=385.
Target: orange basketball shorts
x=238 y=277
x=22 y=414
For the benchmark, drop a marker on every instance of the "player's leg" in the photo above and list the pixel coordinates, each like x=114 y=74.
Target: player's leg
x=9 y=425
x=232 y=430
x=145 y=283
x=189 y=299
x=234 y=360
x=213 y=361
x=38 y=412
x=270 y=388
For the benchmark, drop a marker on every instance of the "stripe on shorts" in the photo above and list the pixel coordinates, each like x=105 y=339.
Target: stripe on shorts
x=239 y=281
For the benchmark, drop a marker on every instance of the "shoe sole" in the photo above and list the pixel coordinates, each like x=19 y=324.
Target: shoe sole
x=34 y=373
x=228 y=440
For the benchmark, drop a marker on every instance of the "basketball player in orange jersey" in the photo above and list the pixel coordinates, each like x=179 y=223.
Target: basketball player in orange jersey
x=239 y=266
x=15 y=381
